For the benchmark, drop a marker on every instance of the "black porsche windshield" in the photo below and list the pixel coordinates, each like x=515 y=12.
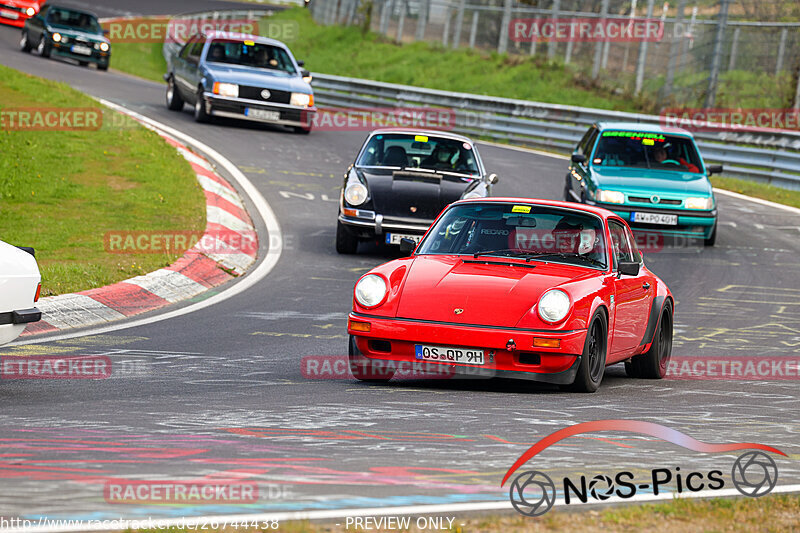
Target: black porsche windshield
x=528 y=231
x=646 y=150
x=406 y=150
x=251 y=54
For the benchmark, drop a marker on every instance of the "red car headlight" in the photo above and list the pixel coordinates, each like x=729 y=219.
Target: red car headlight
x=371 y=290
x=554 y=306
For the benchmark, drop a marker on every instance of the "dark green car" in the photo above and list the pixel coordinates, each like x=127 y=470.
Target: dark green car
x=67 y=32
x=651 y=176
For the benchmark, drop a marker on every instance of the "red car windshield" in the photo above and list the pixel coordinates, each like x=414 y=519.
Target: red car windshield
x=519 y=230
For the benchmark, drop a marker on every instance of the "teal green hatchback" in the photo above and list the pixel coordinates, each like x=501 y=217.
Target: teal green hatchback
x=651 y=176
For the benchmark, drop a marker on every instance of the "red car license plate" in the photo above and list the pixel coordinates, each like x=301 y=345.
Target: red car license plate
x=449 y=354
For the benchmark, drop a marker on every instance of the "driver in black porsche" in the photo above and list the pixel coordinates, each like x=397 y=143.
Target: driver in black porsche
x=441 y=157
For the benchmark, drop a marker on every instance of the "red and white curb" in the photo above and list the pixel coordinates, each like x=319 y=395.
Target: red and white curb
x=194 y=273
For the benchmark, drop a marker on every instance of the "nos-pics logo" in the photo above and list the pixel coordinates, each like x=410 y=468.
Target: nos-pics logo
x=533 y=493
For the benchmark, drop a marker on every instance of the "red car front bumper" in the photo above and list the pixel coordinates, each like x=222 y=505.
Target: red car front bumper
x=12 y=16
x=508 y=352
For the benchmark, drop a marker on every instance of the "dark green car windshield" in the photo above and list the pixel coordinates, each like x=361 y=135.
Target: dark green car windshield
x=646 y=150
x=78 y=20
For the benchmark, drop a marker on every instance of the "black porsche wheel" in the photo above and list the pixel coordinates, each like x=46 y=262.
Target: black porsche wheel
x=346 y=242
x=302 y=131
x=200 y=114
x=24 y=43
x=366 y=369
x=43 y=48
x=102 y=66
x=174 y=100
x=83 y=63
x=593 y=359
x=653 y=363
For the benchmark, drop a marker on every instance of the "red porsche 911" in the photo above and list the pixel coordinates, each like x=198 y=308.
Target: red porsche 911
x=508 y=287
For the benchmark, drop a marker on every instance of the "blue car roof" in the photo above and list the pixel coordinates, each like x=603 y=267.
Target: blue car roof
x=644 y=128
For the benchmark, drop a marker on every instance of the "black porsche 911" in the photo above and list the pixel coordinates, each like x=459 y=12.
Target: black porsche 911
x=401 y=181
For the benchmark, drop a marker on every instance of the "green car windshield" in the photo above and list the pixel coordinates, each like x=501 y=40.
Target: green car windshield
x=525 y=231
x=646 y=150
x=73 y=19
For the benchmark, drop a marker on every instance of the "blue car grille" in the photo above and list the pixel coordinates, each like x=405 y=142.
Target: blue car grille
x=254 y=93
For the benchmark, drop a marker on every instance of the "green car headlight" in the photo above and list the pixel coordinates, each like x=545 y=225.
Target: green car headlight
x=699 y=203
x=611 y=197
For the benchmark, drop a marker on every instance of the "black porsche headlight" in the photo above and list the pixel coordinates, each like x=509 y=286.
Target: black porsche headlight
x=355 y=194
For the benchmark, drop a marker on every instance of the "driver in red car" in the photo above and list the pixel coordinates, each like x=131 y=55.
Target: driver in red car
x=660 y=156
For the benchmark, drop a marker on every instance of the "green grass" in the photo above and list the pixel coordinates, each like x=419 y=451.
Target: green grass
x=62 y=191
x=773 y=513
x=759 y=190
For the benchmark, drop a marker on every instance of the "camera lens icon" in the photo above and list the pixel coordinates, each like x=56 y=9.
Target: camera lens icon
x=754 y=474
x=532 y=493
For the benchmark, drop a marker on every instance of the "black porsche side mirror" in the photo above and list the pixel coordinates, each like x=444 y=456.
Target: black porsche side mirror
x=578 y=158
x=714 y=169
x=407 y=245
x=629 y=268
x=492 y=179
x=300 y=63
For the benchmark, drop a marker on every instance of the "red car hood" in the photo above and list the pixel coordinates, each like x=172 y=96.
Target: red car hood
x=495 y=294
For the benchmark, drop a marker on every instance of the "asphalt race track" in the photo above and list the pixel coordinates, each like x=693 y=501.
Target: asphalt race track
x=219 y=393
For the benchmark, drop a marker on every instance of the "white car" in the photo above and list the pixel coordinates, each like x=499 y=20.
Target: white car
x=20 y=283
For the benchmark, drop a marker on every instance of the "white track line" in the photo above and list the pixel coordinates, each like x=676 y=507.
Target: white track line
x=274 y=238
x=330 y=514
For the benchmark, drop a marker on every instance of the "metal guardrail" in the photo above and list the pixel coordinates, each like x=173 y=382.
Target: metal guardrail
x=766 y=157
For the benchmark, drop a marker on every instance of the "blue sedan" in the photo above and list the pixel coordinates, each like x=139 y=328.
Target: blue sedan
x=240 y=76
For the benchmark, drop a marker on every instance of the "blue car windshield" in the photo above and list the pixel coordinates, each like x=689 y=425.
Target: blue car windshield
x=251 y=54
x=646 y=150
x=525 y=231
x=73 y=19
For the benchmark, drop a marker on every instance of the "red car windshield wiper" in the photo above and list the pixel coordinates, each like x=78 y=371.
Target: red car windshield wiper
x=529 y=257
